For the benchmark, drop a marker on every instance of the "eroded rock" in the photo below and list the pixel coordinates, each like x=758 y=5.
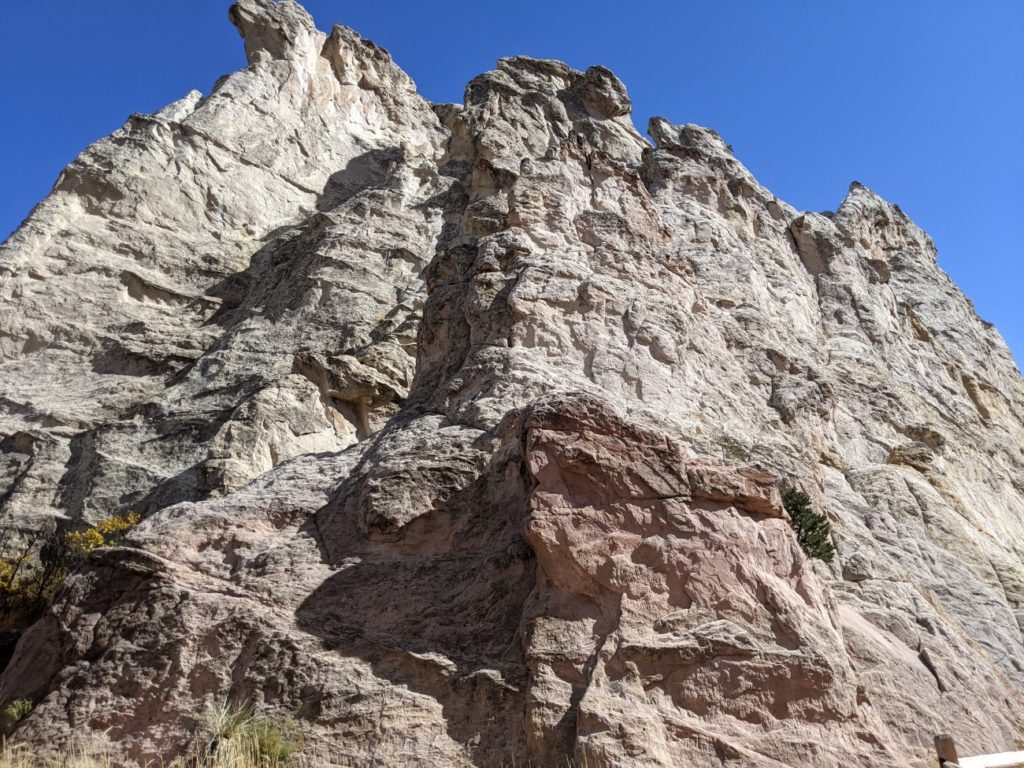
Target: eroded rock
x=461 y=429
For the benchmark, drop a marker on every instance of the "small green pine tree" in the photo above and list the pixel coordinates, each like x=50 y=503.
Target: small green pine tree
x=813 y=531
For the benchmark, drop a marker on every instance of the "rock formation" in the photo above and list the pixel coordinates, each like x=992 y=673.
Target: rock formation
x=460 y=429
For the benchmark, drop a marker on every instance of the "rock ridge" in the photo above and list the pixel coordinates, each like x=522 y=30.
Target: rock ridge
x=459 y=431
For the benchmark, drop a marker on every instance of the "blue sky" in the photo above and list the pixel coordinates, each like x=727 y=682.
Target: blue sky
x=921 y=100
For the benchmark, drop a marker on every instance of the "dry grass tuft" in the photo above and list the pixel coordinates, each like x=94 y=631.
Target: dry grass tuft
x=226 y=737
x=235 y=737
x=79 y=756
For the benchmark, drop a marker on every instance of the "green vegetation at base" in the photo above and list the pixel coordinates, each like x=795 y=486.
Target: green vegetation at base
x=235 y=737
x=18 y=709
x=226 y=737
x=33 y=569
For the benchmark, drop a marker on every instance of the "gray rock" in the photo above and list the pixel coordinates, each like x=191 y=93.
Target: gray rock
x=460 y=431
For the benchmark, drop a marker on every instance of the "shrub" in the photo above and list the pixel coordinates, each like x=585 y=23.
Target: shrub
x=18 y=709
x=31 y=574
x=227 y=737
x=109 y=532
x=813 y=530
x=28 y=580
x=234 y=737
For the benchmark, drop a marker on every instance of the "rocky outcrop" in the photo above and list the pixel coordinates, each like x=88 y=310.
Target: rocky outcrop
x=460 y=430
x=185 y=271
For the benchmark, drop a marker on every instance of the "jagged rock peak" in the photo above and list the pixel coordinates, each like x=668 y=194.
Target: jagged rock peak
x=277 y=29
x=690 y=136
x=876 y=222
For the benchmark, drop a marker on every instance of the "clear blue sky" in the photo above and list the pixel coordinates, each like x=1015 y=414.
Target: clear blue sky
x=922 y=100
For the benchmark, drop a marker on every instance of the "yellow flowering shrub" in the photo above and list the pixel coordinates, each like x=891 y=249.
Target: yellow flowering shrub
x=117 y=525
x=81 y=543
x=106 y=533
x=30 y=579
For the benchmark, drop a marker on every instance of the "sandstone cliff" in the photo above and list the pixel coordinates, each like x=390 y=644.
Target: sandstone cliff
x=460 y=429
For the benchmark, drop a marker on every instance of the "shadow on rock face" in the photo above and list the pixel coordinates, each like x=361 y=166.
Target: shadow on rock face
x=280 y=274
x=368 y=170
x=432 y=577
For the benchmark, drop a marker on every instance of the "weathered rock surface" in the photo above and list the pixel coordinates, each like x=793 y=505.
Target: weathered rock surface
x=190 y=270
x=460 y=429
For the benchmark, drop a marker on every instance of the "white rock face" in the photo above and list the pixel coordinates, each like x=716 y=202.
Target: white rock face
x=460 y=430
x=184 y=268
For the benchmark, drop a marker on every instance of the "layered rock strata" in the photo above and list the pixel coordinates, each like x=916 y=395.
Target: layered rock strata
x=460 y=431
